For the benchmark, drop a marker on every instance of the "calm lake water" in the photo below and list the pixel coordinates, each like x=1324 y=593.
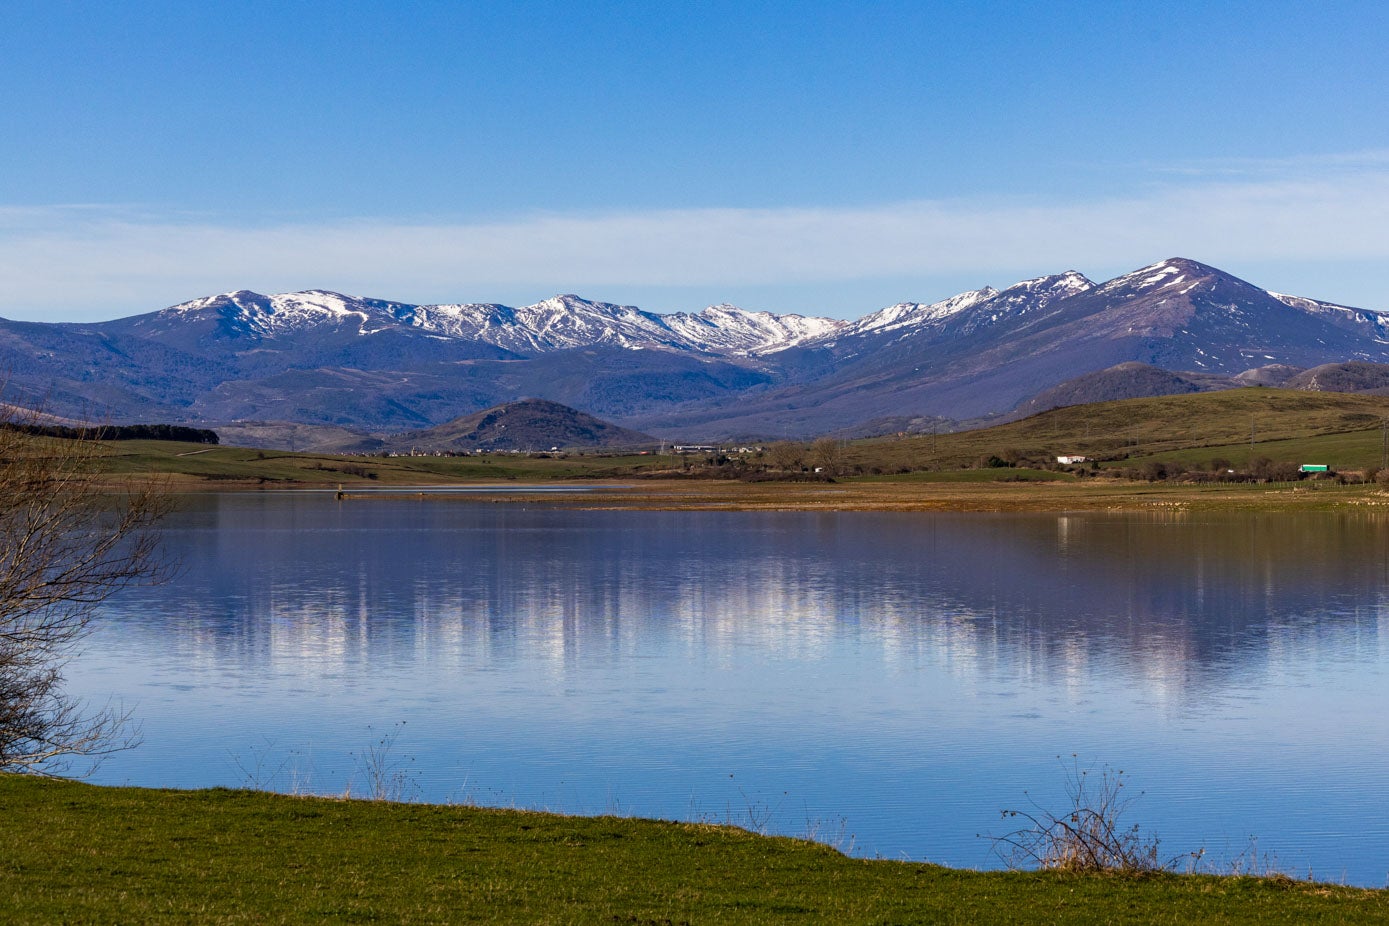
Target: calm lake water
x=888 y=682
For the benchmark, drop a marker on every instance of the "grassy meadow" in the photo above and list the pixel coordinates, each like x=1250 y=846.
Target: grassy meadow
x=910 y=471
x=1331 y=427
x=74 y=853
x=191 y=465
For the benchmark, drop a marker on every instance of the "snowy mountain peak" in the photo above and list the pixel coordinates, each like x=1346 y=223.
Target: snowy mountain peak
x=316 y=301
x=265 y=316
x=728 y=310
x=1165 y=274
x=1031 y=296
x=568 y=302
x=959 y=303
x=1057 y=284
x=237 y=299
x=562 y=322
x=728 y=329
x=909 y=315
x=247 y=301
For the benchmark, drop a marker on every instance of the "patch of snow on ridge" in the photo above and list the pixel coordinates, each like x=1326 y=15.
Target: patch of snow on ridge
x=1040 y=292
x=727 y=328
x=1379 y=320
x=281 y=312
x=1058 y=285
x=567 y=322
x=1316 y=305
x=560 y=323
x=1159 y=275
x=915 y=314
x=313 y=306
x=1157 y=278
x=241 y=299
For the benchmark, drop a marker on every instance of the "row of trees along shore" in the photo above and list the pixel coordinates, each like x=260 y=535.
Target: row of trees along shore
x=828 y=457
x=171 y=432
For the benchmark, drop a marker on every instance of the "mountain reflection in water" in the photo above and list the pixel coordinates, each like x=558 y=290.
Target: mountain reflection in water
x=908 y=673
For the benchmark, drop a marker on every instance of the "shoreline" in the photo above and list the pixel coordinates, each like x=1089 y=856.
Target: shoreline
x=849 y=495
x=79 y=852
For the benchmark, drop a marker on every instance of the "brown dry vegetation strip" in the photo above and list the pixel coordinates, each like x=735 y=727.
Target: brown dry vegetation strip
x=850 y=495
x=1095 y=495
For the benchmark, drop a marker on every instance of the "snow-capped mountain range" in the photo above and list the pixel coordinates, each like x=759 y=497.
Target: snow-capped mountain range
x=564 y=322
x=321 y=358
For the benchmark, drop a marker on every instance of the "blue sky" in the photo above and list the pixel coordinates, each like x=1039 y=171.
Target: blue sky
x=828 y=158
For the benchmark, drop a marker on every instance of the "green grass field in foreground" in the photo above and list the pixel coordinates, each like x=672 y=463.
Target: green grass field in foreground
x=75 y=853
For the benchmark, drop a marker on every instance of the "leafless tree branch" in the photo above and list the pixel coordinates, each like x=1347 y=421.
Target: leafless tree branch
x=69 y=539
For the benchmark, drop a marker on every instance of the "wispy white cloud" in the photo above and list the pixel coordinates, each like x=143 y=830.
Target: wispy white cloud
x=91 y=261
x=1300 y=165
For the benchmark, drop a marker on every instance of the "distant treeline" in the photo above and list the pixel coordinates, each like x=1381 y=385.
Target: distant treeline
x=119 y=432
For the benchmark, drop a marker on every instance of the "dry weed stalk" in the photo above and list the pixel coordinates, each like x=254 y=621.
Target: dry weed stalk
x=1089 y=836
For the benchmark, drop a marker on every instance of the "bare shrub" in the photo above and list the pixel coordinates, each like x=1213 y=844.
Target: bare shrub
x=827 y=453
x=786 y=455
x=67 y=543
x=388 y=776
x=1013 y=456
x=1089 y=835
x=1154 y=471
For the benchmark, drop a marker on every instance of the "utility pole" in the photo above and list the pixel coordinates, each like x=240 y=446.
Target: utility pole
x=1384 y=443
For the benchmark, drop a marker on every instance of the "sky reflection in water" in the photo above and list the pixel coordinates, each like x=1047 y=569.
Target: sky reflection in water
x=897 y=678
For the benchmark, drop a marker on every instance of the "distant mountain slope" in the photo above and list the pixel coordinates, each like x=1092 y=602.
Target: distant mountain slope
x=325 y=359
x=1177 y=315
x=530 y=424
x=1361 y=321
x=1212 y=425
x=1273 y=374
x=1342 y=377
x=1131 y=380
x=1135 y=380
